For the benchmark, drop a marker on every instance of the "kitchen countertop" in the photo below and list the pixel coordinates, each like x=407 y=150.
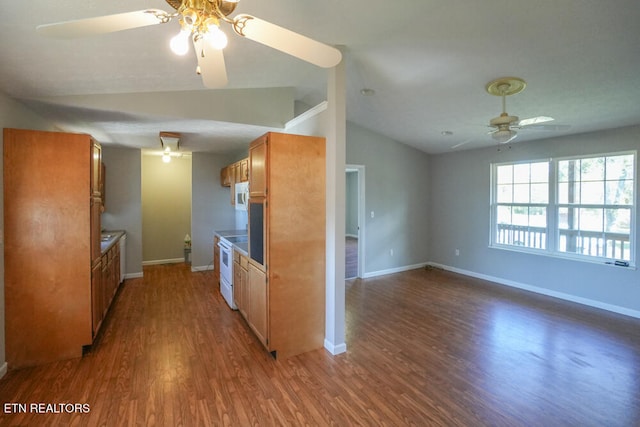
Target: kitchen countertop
x=109 y=238
x=242 y=247
x=231 y=233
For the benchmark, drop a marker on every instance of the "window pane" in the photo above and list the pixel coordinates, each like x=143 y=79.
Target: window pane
x=504 y=193
x=592 y=193
x=617 y=221
x=591 y=219
x=620 y=167
x=520 y=215
x=539 y=193
x=503 y=215
x=540 y=172
x=568 y=170
x=538 y=217
x=521 y=193
x=505 y=174
x=521 y=173
x=592 y=169
x=619 y=192
x=568 y=218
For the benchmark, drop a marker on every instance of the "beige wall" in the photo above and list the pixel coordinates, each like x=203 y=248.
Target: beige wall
x=166 y=208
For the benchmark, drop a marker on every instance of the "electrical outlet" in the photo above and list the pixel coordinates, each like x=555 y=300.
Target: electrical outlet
x=391 y=252
x=372 y=214
x=457 y=252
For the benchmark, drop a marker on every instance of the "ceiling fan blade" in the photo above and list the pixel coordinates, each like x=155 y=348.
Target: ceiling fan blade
x=210 y=64
x=551 y=128
x=287 y=41
x=104 y=24
x=535 y=120
x=460 y=144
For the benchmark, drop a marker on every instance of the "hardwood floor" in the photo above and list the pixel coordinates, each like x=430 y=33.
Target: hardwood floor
x=425 y=347
x=351 y=257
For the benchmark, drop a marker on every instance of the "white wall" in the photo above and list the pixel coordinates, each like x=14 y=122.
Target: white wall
x=397 y=192
x=123 y=210
x=12 y=115
x=210 y=206
x=459 y=218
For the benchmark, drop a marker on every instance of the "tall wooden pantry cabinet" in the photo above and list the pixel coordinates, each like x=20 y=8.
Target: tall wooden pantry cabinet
x=286 y=271
x=52 y=243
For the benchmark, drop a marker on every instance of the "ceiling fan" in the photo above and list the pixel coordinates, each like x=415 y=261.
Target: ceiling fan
x=505 y=125
x=200 y=21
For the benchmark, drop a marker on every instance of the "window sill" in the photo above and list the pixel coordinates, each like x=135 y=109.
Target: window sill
x=562 y=256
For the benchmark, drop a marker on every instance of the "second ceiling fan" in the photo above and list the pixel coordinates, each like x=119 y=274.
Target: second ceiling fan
x=200 y=21
x=505 y=125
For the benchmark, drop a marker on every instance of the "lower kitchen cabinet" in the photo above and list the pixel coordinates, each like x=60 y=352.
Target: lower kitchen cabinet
x=240 y=281
x=257 y=314
x=105 y=280
x=251 y=295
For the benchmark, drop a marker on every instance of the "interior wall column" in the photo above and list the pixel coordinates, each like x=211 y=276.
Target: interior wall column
x=336 y=221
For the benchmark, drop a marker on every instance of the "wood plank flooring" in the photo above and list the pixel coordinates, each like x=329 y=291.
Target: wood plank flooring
x=425 y=347
x=351 y=257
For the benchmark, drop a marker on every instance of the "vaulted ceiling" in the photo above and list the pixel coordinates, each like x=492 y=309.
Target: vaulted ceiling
x=427 y=62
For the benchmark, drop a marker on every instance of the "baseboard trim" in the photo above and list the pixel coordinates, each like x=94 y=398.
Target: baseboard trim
x=543 y=291
x=201 y=268
x=335 y=349
x=163 y=261
x=3 y=370
x=134 y=275
x=392 y=270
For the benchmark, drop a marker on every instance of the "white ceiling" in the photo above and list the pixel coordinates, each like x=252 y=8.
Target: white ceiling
x=427 y=60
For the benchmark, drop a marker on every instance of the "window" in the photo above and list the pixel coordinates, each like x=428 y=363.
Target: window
x=522 y=199
x=581 y=207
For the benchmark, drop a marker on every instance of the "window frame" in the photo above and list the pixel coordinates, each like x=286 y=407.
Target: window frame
x=553 y=206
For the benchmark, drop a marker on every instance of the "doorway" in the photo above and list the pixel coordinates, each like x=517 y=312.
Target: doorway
x=354 y=221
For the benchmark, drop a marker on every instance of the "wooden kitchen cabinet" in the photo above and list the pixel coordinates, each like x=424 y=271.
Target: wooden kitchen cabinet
x=244 y=170
x=52 y=244
x=286 y=277
x=258 y=304
x=240 y=282
x=225 y=177
x=258 y=168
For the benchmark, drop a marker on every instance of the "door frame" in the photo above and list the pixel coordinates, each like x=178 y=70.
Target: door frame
x=360 y=171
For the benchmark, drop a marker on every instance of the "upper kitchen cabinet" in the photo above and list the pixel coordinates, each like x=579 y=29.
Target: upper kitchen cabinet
x=286 y=279
x=50 y=182
x=96 y=169
x=258 y=167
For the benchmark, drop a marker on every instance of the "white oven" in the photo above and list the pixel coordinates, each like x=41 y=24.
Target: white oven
x=226 y=271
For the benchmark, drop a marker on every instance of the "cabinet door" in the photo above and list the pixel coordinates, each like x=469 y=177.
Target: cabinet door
x=258 y=168
x=258 y=303
x=95 y=233
x=96 y=169
x=237 y=292
x=96 y=298
x=244 y=170
x=224 y=177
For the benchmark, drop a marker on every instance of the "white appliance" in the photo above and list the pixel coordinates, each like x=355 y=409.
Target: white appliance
x=226 y=271
x=242 y=196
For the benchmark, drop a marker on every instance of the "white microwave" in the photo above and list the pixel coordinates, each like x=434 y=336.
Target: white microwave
x=242 y=196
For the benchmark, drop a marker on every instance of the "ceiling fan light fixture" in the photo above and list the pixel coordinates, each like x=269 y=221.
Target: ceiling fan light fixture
x=504 y=136
x=179 y=43
x=216 y=37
